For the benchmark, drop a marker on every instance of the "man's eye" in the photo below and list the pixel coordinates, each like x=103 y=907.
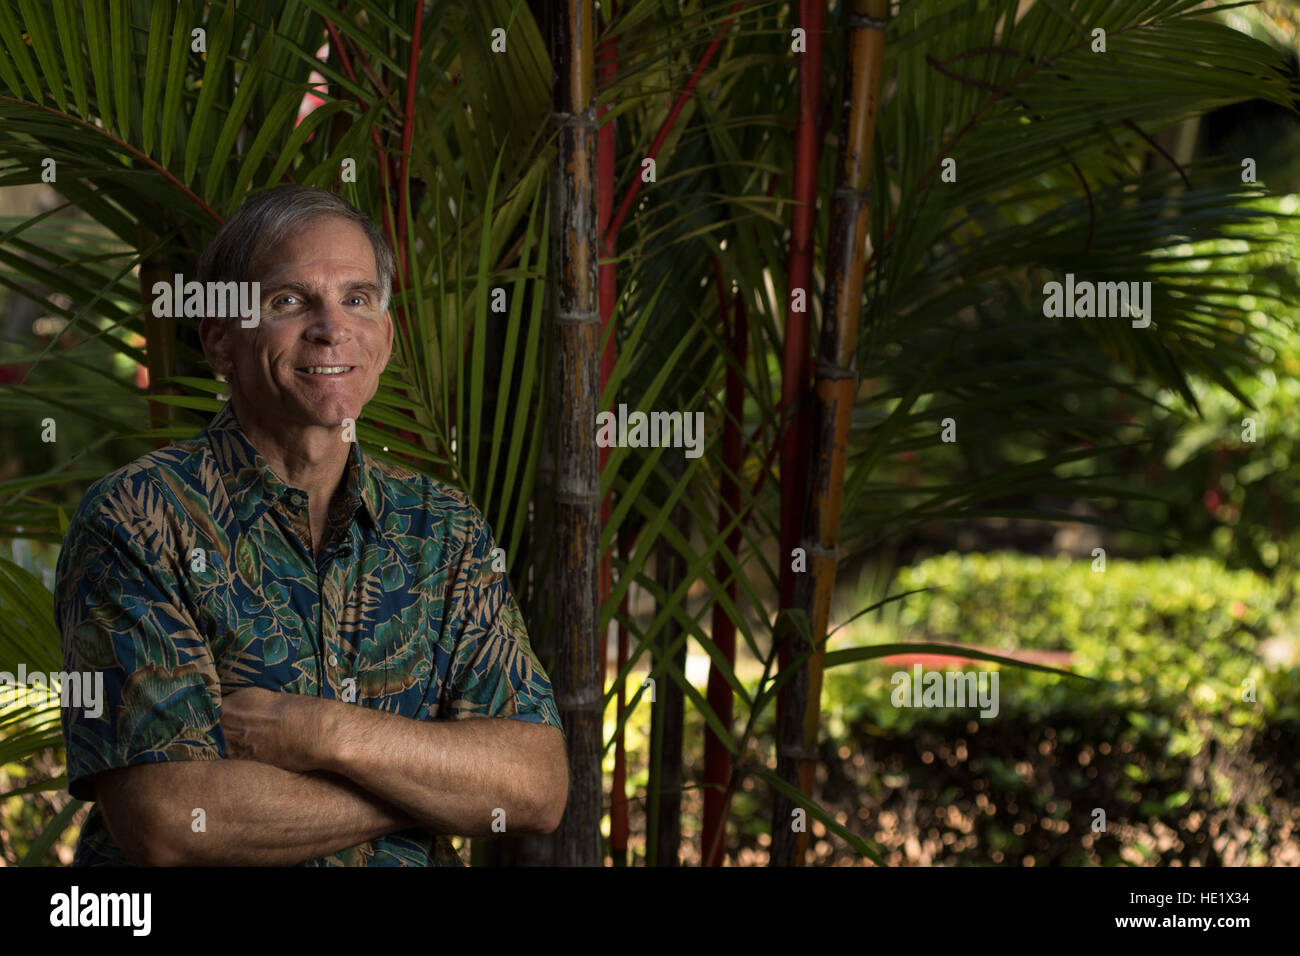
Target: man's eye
x=359 y=300
x=283 y=299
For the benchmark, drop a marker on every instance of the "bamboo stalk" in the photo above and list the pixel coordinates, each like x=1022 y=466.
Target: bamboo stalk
x=607 y=71
x=796 y=370
x=618 y=822
x=668 y=802
x=576 y=395
x=717 y=759
x=668 y=712
x=836 y=388
x=408 y=127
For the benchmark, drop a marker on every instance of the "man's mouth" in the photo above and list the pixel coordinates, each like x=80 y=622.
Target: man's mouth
x=326 y=369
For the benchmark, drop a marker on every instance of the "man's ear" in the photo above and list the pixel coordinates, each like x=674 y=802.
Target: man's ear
x=215 y=336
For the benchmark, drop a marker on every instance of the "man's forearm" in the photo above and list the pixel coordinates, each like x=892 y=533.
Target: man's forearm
x=254 y=814
x=473 y=777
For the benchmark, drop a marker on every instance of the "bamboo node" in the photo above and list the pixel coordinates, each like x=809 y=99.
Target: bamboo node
x=577 y=497
x=827 y=369
x=577 y=120
x=850 y=195
x=860 y=21
x=592 y=702
x=577 y=316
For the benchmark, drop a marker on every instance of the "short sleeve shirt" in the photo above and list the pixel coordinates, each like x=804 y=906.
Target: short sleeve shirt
x=189 y=573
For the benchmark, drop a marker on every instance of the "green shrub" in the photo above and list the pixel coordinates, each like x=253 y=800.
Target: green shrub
x=1177 y=635
x=1162 y=736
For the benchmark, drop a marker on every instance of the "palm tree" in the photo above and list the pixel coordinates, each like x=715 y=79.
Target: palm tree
x=437 y=120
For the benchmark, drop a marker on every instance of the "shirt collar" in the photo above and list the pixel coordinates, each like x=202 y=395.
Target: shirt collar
x=252 y=485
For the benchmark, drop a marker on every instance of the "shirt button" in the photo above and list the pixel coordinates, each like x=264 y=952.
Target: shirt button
x=297 y=500
x=334 y=660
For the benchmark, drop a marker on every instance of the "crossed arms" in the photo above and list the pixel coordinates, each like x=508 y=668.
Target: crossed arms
x=307 y=777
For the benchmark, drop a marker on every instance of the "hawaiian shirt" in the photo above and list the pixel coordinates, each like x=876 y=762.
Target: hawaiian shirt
x=189 y=573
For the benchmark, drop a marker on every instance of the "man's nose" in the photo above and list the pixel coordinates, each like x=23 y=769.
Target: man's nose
x=330 y=325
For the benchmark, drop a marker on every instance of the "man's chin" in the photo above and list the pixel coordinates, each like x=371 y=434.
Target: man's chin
x=333 y=418
x=297 y=411
x=338 y=422
x=331 y=411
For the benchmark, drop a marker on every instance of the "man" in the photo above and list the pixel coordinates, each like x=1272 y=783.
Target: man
x=292 y=635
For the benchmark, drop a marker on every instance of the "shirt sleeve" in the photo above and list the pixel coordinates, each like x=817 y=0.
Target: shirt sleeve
x=124 y=629
x=493 y=671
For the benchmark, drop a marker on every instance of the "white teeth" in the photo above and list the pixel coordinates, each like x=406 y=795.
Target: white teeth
x=326 y=369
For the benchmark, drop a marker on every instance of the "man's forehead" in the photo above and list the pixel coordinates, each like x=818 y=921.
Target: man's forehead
x=322 y=248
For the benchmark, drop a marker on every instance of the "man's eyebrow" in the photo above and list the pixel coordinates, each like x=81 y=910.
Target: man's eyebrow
x=288 y=285
x=307 y=288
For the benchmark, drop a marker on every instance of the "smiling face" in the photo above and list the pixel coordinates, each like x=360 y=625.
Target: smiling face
x=316 y=356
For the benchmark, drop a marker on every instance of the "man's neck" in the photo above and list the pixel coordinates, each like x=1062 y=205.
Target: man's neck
x=312 y=459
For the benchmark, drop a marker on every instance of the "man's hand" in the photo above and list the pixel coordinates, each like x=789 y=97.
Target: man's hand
x=271 y=727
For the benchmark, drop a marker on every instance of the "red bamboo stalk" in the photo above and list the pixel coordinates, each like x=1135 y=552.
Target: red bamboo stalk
x=408 y=125
x=796 y=365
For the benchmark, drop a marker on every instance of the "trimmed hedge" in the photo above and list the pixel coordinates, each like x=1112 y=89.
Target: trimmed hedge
x=1164 y=742
x=1178 y=635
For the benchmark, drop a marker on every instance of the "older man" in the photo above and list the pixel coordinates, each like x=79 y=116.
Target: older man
x=293 y=636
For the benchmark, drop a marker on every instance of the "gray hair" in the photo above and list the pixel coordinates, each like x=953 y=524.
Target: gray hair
x=270 y=217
